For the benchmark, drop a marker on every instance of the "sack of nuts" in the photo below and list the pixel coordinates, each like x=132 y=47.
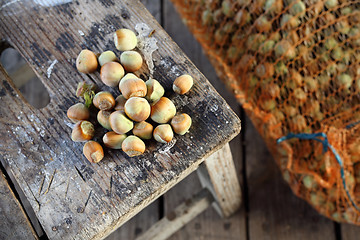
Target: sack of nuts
x=294 y=67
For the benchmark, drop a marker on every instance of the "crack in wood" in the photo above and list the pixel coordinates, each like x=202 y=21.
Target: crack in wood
x=111 y=183
x=80 y=174
x=41 y=185
x=82 y=209
x=67 y=187
x=50 y=182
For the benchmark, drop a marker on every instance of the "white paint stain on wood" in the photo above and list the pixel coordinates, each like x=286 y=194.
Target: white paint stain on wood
x=50 y=68
x=146 y=44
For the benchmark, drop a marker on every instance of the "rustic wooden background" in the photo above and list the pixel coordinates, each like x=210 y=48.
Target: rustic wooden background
x=269 y=210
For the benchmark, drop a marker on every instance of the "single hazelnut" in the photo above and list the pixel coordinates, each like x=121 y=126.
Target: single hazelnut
x=133 y=146
x=113 y=140
x=163 y=110
x=120 y=123
x=137 y=109
x=104 y=101
x=107 y=56
x=93 y=151
x=78 y=112
x=132 y=87
x=143 y=130
x=86 y=62
x=103 y=119
x=181 y=123
x=131 y=60
x=111 y=73
x=125 y=39
x=183 y=84
x=163 y=133
x=83 y=131
x=154 y=90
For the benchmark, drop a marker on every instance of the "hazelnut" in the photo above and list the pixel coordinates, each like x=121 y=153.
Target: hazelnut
x=262 y=24
x=143 y=130
x=163 y=133
x=181 y=123
x=183 y=84
x=273 y=6
x=286 y=49
x=298 y=9
x=128 y=76
x=119 y=123
x=111 y=73
x=154 y=90
x=113 y=140
x=163 y=110
x=86 y=62
x=132 y=87
x=227 y=8
x=289 y=21
x=331 y=3
x=120 y=103
x=93 y=151
x=107 y=56
x=242 y=17
x=131 y=61
x=137 y=109
x=83 y=131
x=104 y=101
x=133 y=146
x=344 y=80
x=103 y=119
x=125 y=39
x=78 y=112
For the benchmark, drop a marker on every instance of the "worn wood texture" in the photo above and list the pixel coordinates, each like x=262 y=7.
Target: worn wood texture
x=221 y=175
x=208 y=225
x=14 y=223
x=274 y=211
x=349 y=232
x=71 y=197
x=179 y=217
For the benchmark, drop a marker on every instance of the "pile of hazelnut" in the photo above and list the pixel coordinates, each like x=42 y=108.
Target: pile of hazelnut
x=129 y=111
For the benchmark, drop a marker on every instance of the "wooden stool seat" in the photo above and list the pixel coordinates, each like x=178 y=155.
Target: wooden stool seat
x=72 y=198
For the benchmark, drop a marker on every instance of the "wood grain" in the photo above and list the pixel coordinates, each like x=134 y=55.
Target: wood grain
x=179 y=217
x=71 y=197
x=274 y=211
x=14 y=223
x=349 y=232
x=220 y=176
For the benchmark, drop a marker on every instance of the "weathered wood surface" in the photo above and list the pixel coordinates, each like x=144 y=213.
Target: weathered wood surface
x=14 y=223
x=274 y=211
x=179 y=217
x=71 y=197
x=349 y=232
x=223 y=181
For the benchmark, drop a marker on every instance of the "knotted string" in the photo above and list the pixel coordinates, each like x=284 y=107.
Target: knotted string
x=326 y=145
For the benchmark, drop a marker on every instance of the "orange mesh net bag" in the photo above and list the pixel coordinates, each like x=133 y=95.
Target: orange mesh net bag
x=294 y=67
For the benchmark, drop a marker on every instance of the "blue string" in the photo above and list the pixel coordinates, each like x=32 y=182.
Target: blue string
x=352 y=124
x=326 y=145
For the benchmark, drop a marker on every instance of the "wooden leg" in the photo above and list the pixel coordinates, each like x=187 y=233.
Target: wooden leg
x=176 y=219
x=218 y=174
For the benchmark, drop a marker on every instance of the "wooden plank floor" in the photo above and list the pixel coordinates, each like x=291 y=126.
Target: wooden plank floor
x=269 y=210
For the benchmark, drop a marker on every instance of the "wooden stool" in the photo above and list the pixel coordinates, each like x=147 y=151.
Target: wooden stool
x=71 y=197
